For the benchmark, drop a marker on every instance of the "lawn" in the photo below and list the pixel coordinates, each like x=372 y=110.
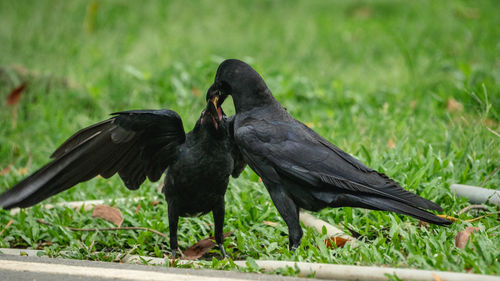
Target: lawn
x=409 y=88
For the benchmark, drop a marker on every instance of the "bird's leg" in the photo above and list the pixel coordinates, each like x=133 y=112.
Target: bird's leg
x=173 y=219
x=290 y=213
x=218 y=214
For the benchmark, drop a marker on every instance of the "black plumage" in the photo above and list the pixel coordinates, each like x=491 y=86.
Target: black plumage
x=299 y=168
x=145 y=143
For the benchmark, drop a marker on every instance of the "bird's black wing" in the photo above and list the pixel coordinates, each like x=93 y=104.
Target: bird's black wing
x=291 y=150
x=135 y=144
x=239 y=162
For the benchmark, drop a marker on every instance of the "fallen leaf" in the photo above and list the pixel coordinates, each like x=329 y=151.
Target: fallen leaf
x=15 y=95
x=108 y=213
x=463 y=236
x=270 y=223
x=4 y=171
x=201 y=247
x=22 y=171
x=391 y=144
x=155 y=202
x=454 y=106
x=339 y=242
x=423 y=223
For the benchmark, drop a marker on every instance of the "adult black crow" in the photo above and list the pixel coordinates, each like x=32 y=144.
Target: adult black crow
x=145 y=143
x=299 y=168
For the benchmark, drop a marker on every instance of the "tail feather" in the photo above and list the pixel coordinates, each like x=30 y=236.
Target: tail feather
x=385 y=204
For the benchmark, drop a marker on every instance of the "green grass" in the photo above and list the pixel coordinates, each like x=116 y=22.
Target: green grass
x=360 y=72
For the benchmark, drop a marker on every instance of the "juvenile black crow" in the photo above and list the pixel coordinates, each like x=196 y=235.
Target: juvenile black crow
x=299 y=168
x=145 y=143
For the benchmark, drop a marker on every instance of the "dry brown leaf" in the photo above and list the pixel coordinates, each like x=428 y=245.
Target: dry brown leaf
x=108 y=213
x=155 y=202
x=391 y=144
x=423 y=224
x=15 y=94
x=201 y=247
x=454 y=106
x=339 y=242
x=4 y=171
x=270 y=223
x=463 y=236
x=22 y=171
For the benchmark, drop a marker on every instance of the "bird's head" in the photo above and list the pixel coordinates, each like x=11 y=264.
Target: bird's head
x=213 y=114
x=236 y=78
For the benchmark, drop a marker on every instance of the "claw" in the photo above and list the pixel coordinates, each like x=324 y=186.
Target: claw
x=222 y=251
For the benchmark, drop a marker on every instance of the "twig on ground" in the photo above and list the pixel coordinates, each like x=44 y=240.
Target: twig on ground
x=6 y=226
x=473 y=207
x=108 y=228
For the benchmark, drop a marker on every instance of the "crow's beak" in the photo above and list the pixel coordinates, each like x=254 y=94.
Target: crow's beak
x=213 y=111
x=215 y=100
x=214 y=107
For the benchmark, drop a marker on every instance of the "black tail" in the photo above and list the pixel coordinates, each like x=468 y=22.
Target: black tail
x=384 y=204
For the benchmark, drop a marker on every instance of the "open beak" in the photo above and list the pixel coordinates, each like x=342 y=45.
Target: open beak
x=214 y=110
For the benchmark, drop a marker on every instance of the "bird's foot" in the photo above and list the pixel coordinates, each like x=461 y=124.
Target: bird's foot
x=293 y=247
x=174 y=254
x=222 y=250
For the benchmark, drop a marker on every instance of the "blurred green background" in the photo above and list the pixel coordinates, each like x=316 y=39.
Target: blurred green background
x=409 y=87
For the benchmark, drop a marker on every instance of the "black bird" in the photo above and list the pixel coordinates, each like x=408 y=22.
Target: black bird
x=299 y=168
x=145 y=143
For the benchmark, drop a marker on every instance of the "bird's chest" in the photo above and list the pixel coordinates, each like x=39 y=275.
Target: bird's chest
x=200 y=171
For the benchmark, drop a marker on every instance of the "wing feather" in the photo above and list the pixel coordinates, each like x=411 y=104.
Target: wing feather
x=135 y=144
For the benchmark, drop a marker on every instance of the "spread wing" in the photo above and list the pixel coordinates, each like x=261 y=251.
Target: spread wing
x=289 y=150
x=135 y=144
